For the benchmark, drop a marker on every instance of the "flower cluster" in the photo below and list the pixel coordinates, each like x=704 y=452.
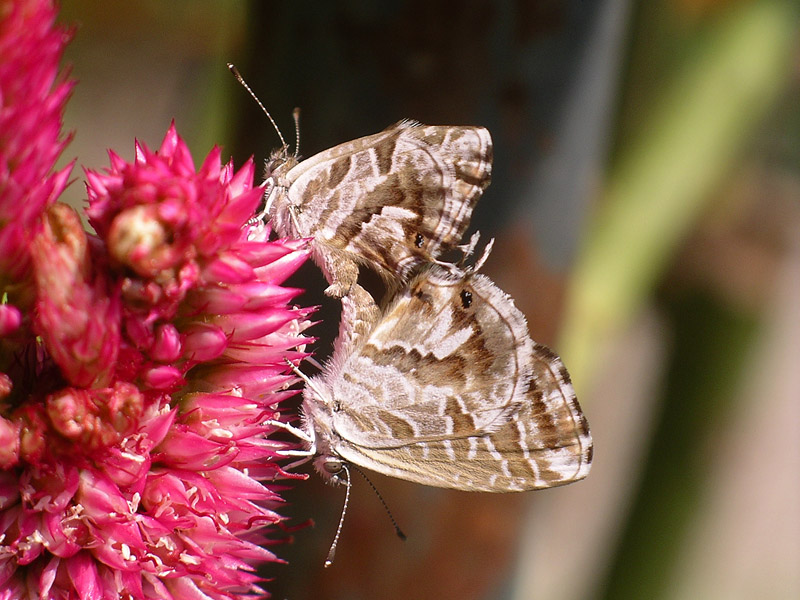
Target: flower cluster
x=140 y=366
x=32 y=99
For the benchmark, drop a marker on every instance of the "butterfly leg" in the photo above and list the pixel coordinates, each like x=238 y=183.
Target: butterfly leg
x=359 y=314
x=468 y=248
x=346 y=275
x=267 y=198
x=296 y=463
x=458 y=268
x=298 y=433
x=304 y=455
x=340 y=271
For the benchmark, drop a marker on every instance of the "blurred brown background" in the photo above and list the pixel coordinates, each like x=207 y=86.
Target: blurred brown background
x=646 y=205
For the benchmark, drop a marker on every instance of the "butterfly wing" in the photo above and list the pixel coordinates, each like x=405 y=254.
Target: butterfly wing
x=449 y=390
x=392 y=200
x=359 y=316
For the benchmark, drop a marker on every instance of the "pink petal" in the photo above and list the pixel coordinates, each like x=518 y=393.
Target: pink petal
x=162 y=378
x=204 y=342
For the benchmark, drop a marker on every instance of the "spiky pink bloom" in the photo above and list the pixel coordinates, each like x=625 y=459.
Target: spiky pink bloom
x=32 y=98
x=138 y=366
x=135 y=449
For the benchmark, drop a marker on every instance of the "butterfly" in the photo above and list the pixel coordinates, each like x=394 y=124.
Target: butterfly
x=393 y=201
x=443 y=386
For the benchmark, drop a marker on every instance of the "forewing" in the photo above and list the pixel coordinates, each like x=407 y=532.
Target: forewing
x=396 y=199
x=449 y=390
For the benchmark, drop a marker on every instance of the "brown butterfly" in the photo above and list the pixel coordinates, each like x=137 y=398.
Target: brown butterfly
x=393 y=200
x=444 y=387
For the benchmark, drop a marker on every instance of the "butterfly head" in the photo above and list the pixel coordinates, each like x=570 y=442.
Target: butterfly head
x=277 y=165
x=332 y=468
x=318 y=419
x=279 y=161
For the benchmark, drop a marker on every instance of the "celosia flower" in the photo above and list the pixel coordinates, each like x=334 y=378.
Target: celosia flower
x=139 y=367
x=32 y=98
x=137 y=448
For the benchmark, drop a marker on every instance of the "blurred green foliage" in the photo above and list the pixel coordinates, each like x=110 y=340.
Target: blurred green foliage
x=709 y=350
x=704 y=114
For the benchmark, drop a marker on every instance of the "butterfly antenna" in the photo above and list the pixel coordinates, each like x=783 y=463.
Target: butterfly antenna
x=332 y=551
x=241 y=80
x=397 y=529
x=296 y=115
x=305 y=378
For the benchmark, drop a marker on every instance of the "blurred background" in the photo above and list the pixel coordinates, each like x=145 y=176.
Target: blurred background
x=646 y=205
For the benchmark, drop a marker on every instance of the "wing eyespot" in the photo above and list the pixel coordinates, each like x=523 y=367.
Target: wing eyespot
x=466 y=298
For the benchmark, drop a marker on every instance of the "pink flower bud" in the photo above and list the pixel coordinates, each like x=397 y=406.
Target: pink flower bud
x=205 y=342
x=10 y=319
x=167 y=345
x=162 y=378
x=138 y=240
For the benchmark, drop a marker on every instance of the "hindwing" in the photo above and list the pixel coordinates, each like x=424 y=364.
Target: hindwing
x=448 y=389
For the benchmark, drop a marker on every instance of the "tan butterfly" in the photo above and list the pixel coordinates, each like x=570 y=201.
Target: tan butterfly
x=393 y=201
x=445 y=387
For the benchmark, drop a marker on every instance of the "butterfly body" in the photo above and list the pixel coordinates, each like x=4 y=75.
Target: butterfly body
x=445 y=387
x=393 y=200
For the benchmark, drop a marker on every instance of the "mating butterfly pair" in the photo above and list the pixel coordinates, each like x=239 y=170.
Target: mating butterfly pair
x=443 y=384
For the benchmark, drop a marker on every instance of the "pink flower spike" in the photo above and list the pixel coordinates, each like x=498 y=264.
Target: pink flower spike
x=281 y=269
x=258 y=254
x=219 y=300
x=170 y=143
x=245 y=205
x=249 y=326
x=31 y=107
x=265 y=295
x=140 y=361
x=242 y=180
x=134 y=481
x=252 y=380
x=228 y=269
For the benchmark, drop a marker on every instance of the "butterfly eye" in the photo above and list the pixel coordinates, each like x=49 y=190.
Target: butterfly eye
x=332 y=465
x=419 y=240
x=466 y=298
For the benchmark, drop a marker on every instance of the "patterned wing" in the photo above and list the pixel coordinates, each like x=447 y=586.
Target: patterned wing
x=359 y=315
x=449 y=390
x=393 y=200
